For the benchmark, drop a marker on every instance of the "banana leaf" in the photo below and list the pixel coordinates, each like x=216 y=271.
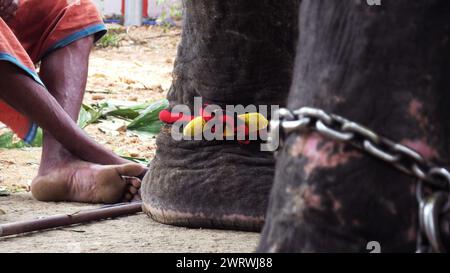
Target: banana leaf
x=138 y=160
x=145 y=120
x=124 y=111
x=88 y=115
x=148 y=121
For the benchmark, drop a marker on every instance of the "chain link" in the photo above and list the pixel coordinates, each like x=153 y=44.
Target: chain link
x=340 y=129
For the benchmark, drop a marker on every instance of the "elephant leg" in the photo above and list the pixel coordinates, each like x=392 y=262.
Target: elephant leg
x=232 y=53
x=384 y=67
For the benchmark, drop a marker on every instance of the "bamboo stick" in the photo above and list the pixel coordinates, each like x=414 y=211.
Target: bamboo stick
x=102 y=213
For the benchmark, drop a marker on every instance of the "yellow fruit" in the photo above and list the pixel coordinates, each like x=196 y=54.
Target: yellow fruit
x=254 y=121
x=194 y=127
x=227 y=131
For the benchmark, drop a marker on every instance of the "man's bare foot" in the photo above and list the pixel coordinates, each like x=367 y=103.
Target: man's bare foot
x=81 y=181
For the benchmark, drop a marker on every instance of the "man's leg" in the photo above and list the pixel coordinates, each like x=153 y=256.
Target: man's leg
x=64 y=72
x=88 y=182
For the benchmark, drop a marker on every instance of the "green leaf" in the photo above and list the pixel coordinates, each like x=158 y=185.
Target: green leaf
x=83 y=118
x=37 y=142
x=145 y=120
x=109 y=40
x=123 y=111
x=88 y=115
x=139 y=160
x=148 y=121
x=7 y=141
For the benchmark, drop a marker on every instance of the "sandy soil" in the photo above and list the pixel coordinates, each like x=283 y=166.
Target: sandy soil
x=129 y=234
x=138 y=70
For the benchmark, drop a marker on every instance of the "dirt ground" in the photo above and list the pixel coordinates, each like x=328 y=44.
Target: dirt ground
x=129 y=234
x=139 y=69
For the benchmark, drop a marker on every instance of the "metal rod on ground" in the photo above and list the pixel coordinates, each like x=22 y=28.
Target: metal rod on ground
x=105 y=212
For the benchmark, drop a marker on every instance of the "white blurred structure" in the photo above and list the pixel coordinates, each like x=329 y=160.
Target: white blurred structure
x=117 y=7
x=133 y=14
x=154 y=10
x=109 y=7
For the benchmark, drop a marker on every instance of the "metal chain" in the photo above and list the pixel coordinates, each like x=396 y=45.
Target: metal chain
x=338 y=128
x=400 y=156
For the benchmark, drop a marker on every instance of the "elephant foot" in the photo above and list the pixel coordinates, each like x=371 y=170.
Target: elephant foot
x=208 y=184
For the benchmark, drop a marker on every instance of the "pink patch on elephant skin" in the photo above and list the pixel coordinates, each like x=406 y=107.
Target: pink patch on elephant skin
x=415 y=109
x=321 y=152
x=421 y=146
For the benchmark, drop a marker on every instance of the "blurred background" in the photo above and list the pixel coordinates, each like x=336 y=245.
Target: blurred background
x=149 y=11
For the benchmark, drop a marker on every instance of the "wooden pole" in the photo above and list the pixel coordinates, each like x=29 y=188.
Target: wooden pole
x=84 y=216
